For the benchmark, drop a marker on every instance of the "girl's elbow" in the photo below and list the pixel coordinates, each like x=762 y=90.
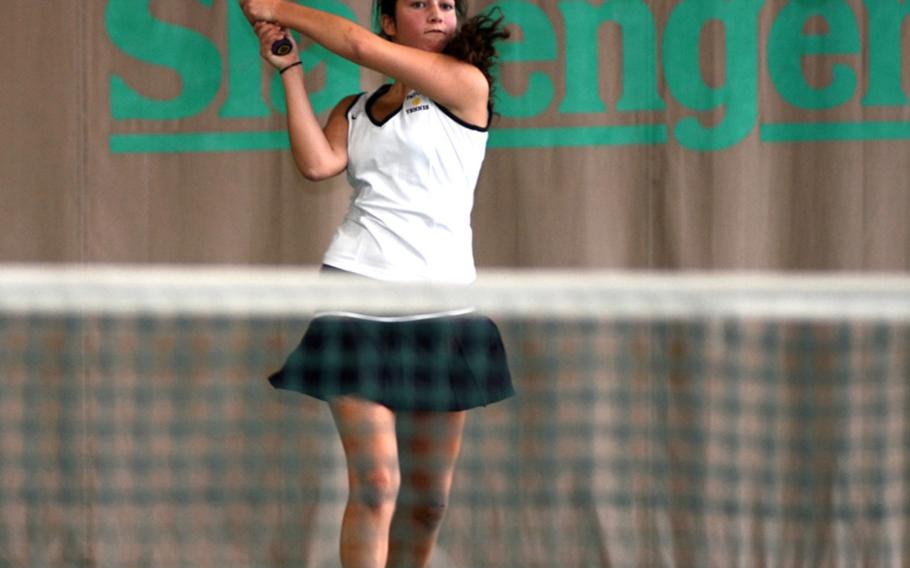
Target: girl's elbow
x=317 y=172
x=358 y=46
x=313 y=174
x=317 y=165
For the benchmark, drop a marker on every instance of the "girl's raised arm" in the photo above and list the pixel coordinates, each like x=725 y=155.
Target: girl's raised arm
x=459 y=86
x=319 y=152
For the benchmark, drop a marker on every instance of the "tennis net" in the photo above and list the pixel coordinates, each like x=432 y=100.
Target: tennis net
x=660 y=420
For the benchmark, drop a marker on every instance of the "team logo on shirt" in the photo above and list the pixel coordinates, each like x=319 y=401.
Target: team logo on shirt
x=415 y=104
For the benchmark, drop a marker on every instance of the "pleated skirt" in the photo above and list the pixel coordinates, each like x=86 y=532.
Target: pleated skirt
x=442 y=363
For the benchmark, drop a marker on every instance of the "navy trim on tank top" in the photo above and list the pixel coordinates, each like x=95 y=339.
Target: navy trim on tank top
x=368 y=107
x=347 y=111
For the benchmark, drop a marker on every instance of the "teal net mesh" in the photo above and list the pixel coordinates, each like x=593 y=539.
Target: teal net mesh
x=657 y=422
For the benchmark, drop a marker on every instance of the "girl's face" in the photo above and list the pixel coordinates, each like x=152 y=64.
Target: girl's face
x=424 y=24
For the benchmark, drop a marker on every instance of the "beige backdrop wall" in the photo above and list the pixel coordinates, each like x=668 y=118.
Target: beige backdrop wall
x=68 y=195
x=677 y=443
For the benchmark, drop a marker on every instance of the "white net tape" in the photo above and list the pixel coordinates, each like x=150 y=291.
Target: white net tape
x=281 y=291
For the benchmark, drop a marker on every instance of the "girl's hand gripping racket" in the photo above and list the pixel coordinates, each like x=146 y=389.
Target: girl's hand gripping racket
x=282 y=46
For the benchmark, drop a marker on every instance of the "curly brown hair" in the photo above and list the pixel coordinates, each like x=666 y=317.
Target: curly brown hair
x=475 y=40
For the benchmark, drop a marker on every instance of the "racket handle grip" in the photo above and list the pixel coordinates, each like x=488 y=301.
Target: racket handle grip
x=281 y=46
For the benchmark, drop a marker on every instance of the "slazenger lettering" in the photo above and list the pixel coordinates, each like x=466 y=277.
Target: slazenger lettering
x=658 y=66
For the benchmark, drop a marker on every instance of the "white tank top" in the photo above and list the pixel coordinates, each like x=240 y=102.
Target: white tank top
x=413 y=177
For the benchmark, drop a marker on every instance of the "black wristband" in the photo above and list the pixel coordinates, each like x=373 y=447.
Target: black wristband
x=294 y=64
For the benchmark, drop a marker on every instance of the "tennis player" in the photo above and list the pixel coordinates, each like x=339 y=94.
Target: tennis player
x=398 y=386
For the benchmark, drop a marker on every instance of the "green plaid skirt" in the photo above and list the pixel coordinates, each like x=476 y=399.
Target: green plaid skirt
x=443 y=363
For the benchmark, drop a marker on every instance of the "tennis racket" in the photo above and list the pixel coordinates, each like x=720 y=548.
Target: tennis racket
x=282 y=46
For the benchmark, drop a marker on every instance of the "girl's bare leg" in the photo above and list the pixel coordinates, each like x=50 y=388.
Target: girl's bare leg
x=367 y=432
x=428 y=446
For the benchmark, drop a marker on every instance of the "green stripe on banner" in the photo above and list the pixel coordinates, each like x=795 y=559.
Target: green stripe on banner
x=578 y=136
x=499 y=138
x=835 y=131
x=642 y=134
x=199 y=142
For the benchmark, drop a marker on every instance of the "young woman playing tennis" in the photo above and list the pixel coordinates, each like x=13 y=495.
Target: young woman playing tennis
x=412 y=150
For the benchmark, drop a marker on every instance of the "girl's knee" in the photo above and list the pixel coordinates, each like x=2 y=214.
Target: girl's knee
x=428 y=515
x=425 y=511
x=375 y=489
